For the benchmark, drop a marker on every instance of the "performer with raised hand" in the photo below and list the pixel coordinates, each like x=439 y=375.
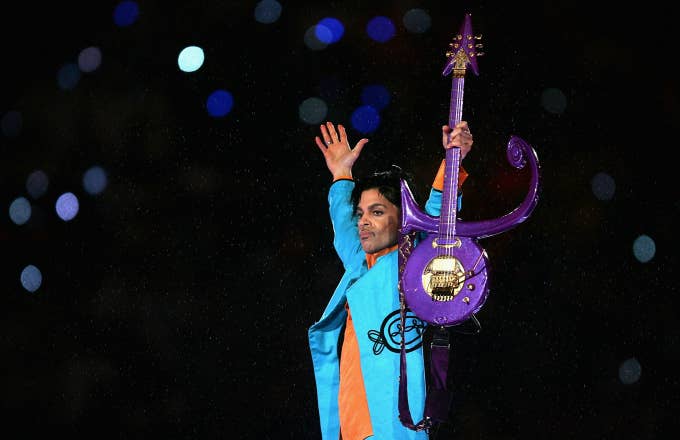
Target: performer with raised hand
x=354 y=345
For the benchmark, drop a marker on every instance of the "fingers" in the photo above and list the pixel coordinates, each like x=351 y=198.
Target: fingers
x=331 y=131
x=463 y=126
x=360 y=146
x=446 y=131
x=320 y=144
x=325 y=135
x=330 y=135
x=343 y=133
x=459 y=136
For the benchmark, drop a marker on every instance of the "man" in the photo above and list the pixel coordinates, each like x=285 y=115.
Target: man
x=353 y=346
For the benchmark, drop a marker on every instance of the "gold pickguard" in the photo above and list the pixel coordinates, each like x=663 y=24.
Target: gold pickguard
x=443 y=278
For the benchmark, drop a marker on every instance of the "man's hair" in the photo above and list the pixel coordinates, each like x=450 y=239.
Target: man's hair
x=386 y=182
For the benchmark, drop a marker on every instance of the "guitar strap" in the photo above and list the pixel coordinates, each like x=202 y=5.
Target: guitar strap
x=438 y=398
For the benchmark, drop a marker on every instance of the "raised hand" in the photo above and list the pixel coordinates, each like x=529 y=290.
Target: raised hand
x=340 y=157
x=459 y=136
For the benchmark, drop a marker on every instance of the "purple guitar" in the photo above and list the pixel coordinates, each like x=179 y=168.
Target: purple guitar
x=444 y=279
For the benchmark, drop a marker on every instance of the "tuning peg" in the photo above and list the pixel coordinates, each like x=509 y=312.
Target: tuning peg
x=479 y=45
x=478 y=37
x=479 y=54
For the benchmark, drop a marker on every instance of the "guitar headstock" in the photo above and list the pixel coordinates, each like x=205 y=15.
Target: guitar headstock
x=463 y=51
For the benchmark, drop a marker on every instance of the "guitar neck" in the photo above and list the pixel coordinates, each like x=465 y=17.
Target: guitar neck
x=447 y=223
x=456 y=103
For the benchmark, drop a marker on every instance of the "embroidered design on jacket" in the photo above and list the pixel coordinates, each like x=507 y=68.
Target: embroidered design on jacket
x=389 y=334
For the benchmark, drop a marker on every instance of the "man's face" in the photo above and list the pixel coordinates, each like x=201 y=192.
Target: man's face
x=378 y=221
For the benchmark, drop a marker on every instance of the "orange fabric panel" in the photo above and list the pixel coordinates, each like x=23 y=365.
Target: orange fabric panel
x=372 y=258
x=355 y=419
x=438 y=183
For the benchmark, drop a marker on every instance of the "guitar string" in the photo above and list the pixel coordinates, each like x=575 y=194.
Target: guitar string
x=455 y=117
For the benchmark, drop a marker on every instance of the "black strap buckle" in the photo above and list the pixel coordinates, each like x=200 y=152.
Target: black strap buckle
x=440 y=338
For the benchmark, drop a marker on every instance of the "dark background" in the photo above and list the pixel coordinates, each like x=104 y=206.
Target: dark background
x=176 y=304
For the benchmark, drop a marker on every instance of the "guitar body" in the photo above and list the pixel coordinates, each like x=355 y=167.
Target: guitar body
x=444 y=278
x=445 y=284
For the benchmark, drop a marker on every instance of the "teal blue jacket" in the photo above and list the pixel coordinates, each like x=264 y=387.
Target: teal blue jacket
x=373 y=298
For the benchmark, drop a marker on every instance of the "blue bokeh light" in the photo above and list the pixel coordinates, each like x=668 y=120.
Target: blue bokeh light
x=20 y=210
x=603 y=186
x=89 y=59
x=644 y=248
x=95 y=180
x=380 y=29
x=31 y=278
x=365 y=119
x=37 y=183
x=125 y=13
x=68 y=76
x=329 y=30
x=219 y=103
x=267 y=11
x=67 y=206
x=630 y=371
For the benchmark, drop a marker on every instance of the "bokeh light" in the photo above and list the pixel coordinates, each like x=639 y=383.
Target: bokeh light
x=603 y=186
x=31 y=278
x=94 y=180
x=329 y=30
x=67 y=206
x=89 y=59
x=365 y=119
x=312 y=110
x=219 y=103
x=380 y=29
x=37 y=183
x=312 y=41
x=190 y=59
x=553 y=100
x=20 y=210
x=125 y=13
x=644 y=248
x=417 y=21
x=630 y=371
x=267 y=11
x=68 y=76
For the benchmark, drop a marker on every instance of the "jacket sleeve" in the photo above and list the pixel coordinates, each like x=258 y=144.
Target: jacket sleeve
x=345 y=235
x=433 y=205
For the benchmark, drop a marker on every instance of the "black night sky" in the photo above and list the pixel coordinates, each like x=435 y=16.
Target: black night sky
x=176 y=303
